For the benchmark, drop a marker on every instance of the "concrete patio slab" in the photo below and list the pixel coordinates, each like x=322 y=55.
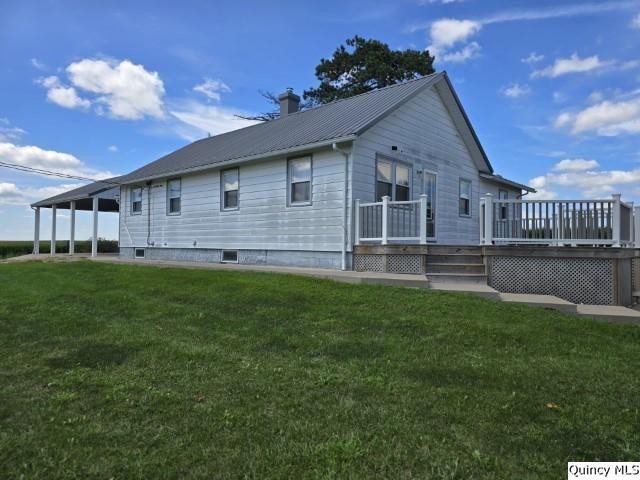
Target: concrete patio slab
x=544 y=301
x=610 y=313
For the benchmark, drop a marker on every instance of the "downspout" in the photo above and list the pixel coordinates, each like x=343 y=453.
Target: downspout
x=149 y=213
x=346 y=154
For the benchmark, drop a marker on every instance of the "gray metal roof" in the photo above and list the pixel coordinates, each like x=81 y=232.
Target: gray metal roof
x=341 y=120
x=506 y=181
x=337 y=120
x=86 y=191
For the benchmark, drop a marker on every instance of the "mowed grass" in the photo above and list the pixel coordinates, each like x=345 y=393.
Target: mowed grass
x=111 y=371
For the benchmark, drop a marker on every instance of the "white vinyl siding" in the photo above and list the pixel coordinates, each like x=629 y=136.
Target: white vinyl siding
x=264 y=220
x=427 y=140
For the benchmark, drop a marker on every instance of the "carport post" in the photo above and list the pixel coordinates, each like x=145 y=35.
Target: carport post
x=36 y=232
x=72 y=233
x=94 y=238
x=52 y=250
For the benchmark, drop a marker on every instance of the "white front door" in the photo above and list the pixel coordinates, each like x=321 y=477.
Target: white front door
x=430 y=191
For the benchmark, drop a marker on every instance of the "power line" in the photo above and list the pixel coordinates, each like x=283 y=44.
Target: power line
x=41 y=171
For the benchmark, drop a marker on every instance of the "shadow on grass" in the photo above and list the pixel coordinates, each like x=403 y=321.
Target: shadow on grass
x=94 y=355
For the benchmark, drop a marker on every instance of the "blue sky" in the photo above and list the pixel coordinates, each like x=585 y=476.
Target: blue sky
x=101 y=88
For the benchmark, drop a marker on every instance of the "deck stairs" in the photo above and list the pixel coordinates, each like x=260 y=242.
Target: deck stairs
x=455 y=264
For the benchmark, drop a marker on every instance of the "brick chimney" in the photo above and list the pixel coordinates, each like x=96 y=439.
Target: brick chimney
x=289 y=102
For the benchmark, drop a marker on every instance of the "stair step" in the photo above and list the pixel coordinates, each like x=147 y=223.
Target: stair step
x=455 y=258
x=457 y=278
x=455 y=268
x=453 y=250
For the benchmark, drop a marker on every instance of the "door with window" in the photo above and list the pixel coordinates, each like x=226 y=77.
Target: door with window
x=430 y=191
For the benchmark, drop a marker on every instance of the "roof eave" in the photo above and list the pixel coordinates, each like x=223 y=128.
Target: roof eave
x=506 y=181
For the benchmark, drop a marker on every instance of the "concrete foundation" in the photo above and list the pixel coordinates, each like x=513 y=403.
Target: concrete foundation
x=284 y=258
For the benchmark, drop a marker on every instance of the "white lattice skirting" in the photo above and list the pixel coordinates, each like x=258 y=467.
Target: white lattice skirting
x=578 y=280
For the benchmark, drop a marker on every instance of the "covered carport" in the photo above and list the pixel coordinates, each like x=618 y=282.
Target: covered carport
x=101 y=196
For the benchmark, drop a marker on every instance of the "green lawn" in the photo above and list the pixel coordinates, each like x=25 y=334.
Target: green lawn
x=122 y=372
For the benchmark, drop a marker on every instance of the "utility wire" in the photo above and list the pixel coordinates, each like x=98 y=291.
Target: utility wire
x=41 y=171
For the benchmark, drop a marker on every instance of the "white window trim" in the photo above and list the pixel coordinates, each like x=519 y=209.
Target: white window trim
x=460 y=180
x=222 y=260
x=131 y=212
x=394 y=162
x=169 y=212
x=305 y=203
x=222 y=191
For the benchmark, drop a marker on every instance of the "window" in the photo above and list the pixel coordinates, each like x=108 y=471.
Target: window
x=300 y=181
x=174 y=192
x=503 y=195
x=229 y=256
x=136 y=201
x=139 y=253
x=230 y=186
x=393 y=179
x=465 y=198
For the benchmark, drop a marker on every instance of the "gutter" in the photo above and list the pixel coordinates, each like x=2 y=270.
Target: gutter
x=347 y=156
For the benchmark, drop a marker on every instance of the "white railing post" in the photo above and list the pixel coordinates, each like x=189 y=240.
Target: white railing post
x=72 y=228
x=356 y=221
x=385 y=223
x=488 y=219
x=423 y=219
x=94 y=238
x=636 y=226
x=52 y=248
x=36 y=232
x=616 y=219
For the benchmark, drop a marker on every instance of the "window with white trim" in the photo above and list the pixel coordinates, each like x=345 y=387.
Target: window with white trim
x=393 y=179
x=230 y=188
x=136 y=201
x=174 y=195
x=299 y=175
x=464 y=208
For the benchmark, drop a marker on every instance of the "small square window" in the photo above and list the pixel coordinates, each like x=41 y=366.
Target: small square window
x=229 y=256
x=139 y=253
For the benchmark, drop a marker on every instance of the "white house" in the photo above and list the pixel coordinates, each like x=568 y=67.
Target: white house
x=282 y=192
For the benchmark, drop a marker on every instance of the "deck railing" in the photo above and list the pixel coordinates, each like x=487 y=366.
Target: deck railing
x=607 y=222
x=387 y=221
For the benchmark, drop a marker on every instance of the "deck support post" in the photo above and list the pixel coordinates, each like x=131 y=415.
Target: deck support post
x=94 y=237
x=356 y=222
x=36 y=232
x=423 y=219
x=72 y=226
x=385 y=220
x=487 y=238
x=52 y=249
x=616 y=219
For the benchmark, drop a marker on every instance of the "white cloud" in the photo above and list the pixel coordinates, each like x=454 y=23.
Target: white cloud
x=559 y=97
x=38 y=64
x=558 y=12
x=573 y=64
x=589 y=183
x=605 y=118
x=468 y=52
x=212 y=89
x=515 y=90
x=595 y=97
x=208 y=119
x=532 y=58
x=447 y=32
x=9 y=133
x=36 y=157
x=635 y=23
x=113 y=148
x=128 y=91
x=575 y=165
x=63 y=95
x=11 y=194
